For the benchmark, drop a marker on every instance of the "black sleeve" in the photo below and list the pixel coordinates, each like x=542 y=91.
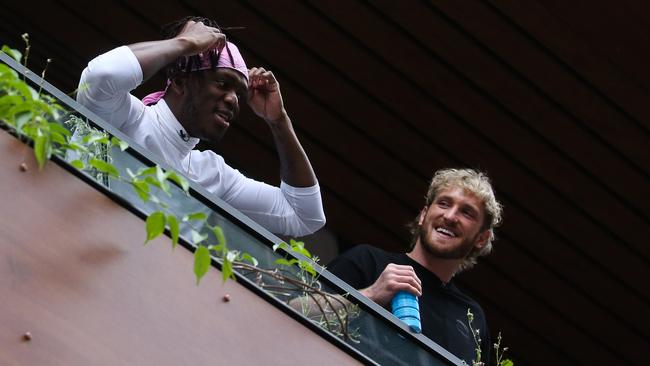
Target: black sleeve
x=356 y=267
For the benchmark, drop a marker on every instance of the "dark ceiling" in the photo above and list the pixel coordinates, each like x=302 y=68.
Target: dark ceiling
x=547 y=96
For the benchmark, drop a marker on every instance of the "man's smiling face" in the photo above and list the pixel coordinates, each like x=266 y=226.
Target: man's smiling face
x=451 y=225
x=212 y=102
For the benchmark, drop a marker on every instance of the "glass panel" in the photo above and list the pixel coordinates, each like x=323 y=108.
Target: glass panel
x=180 y=204
x=375 y=335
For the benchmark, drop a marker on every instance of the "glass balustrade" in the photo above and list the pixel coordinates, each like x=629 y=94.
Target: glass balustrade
x=376 y=335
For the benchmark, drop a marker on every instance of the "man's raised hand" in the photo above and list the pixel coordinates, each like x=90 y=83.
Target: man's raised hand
x=201 y=37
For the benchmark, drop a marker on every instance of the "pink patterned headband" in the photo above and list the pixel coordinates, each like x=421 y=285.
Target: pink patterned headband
x=229 y=57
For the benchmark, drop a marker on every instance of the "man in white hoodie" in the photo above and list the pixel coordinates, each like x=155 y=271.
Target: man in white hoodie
x=206 y=80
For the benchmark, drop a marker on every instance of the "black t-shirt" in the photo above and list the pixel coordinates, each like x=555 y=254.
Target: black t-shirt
x=443 y=308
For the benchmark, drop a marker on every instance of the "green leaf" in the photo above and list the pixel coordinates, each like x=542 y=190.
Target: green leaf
x=147 y=171
x=42 y=108
x=155 y=225
x=160 y=174
x=104 y=167
x=96 y=137
x=7 y=73
x=249 y=258
x=306 y=266
x=226 y=270
x=173 y=229
x=506 y=362
x=52 y=103
x=76 y=147
x=282 y=245
x=117 y=142
x=55 y=127
x=22 y=118
x=8 y=101
x=77 y=164
x=194 y=217
x=218 y=233
x=201 y=262
x=23 y=89
x=197 y=237
x=285 y=262
x=161 y=177
x=151 y=180
x=141 y=188
x=40 y=150
x=298 y=246
x=217 y=248
x=58 y=138
x=15 y=54
x=182 y=182
x=165 y=188
x=304 y=252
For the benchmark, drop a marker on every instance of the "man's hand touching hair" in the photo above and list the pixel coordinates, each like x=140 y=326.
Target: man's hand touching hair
x=201 y=37
x=264 y=96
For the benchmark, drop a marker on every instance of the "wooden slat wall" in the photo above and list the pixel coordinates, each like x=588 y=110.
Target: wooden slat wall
x=550 y=97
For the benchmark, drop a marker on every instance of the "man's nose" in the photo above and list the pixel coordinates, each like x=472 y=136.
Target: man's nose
x=232 y=99
x=451 y=214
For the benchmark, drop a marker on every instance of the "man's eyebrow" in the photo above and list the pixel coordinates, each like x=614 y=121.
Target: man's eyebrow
x=470 y=206
x=235 y=79
x=476 y=210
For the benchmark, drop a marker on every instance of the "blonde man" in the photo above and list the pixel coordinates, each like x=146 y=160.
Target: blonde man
x=454 y=227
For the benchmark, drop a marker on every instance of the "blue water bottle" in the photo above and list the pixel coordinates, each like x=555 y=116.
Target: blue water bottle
x=405 y=306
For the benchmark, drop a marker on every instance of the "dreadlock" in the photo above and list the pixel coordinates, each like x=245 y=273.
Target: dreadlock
x=171 y=30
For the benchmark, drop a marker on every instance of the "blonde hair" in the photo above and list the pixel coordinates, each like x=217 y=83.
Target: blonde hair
x=476 y=183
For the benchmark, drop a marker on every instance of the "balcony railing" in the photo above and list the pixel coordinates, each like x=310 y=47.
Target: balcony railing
x=380 y=337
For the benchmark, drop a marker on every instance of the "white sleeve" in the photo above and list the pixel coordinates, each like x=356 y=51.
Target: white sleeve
x=105 y=85
x=287 y=210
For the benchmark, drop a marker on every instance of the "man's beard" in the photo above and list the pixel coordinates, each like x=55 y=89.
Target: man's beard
x=460 y=251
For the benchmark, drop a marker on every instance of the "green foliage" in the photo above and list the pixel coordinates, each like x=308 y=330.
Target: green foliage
x=155 y=225
x=297 y=247
x=197 y=216
x=141 y=188
x=477 y=341
x=174 y=229
x=201 y=262
x=104 y=167
x=198 y=238
x=218 y=233
x=250 y=259
x=15 y=54
x=226 y=257
x=227 y=268
x=119 y=143
x=28 y=113
x=182 y=182
x=42 y=149
x=78 y=164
